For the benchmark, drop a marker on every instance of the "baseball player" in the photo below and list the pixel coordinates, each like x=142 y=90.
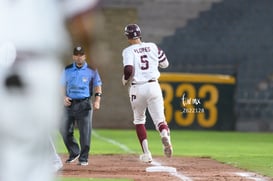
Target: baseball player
x=141 y=61
x=30 y=91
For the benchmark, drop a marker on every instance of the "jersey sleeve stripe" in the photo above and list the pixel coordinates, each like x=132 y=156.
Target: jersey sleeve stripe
x=161 y=54
x=160 y=61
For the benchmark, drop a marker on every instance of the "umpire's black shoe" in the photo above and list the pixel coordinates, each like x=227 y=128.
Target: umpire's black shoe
x=83 y=163
x=72 y=159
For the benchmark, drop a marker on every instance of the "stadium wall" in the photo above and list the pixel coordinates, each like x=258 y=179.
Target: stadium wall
x=220 y=36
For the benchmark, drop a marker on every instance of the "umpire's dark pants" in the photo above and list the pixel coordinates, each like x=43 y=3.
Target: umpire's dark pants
x=79 y=112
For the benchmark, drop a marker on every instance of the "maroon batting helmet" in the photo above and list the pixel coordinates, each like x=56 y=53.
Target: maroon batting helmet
x=132 y=31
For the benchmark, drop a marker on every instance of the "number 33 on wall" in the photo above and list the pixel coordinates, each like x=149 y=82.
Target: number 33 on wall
x=186 y=112
x=199 y=101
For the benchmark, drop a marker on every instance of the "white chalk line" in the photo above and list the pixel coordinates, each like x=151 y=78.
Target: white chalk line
x=113 y=142
x=251 y=176
x=126 y=149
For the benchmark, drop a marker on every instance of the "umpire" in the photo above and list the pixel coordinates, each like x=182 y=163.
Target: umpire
x=79 y=81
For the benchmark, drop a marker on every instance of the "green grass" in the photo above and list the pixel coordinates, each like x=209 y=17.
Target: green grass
x=250 y=151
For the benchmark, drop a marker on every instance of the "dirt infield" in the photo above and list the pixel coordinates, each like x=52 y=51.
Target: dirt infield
x=128 y=166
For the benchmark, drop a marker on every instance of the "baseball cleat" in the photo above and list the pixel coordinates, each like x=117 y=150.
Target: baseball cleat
x=168 y=150
x=146 y=157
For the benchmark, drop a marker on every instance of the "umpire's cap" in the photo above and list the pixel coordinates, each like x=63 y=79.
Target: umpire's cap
x=78 y=50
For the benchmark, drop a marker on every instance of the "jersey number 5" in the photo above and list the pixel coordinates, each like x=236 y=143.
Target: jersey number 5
x=145 y=62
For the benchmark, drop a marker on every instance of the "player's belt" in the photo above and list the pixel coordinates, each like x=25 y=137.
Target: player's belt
x=152 y=80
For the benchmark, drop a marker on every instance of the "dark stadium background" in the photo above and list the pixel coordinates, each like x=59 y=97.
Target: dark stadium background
x=231 y=37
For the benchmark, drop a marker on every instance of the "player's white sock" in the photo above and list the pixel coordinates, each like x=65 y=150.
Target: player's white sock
x=145 y=146
x=164 y=133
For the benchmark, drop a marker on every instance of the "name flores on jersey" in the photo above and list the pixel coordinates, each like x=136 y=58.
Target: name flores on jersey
x=143 y=49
